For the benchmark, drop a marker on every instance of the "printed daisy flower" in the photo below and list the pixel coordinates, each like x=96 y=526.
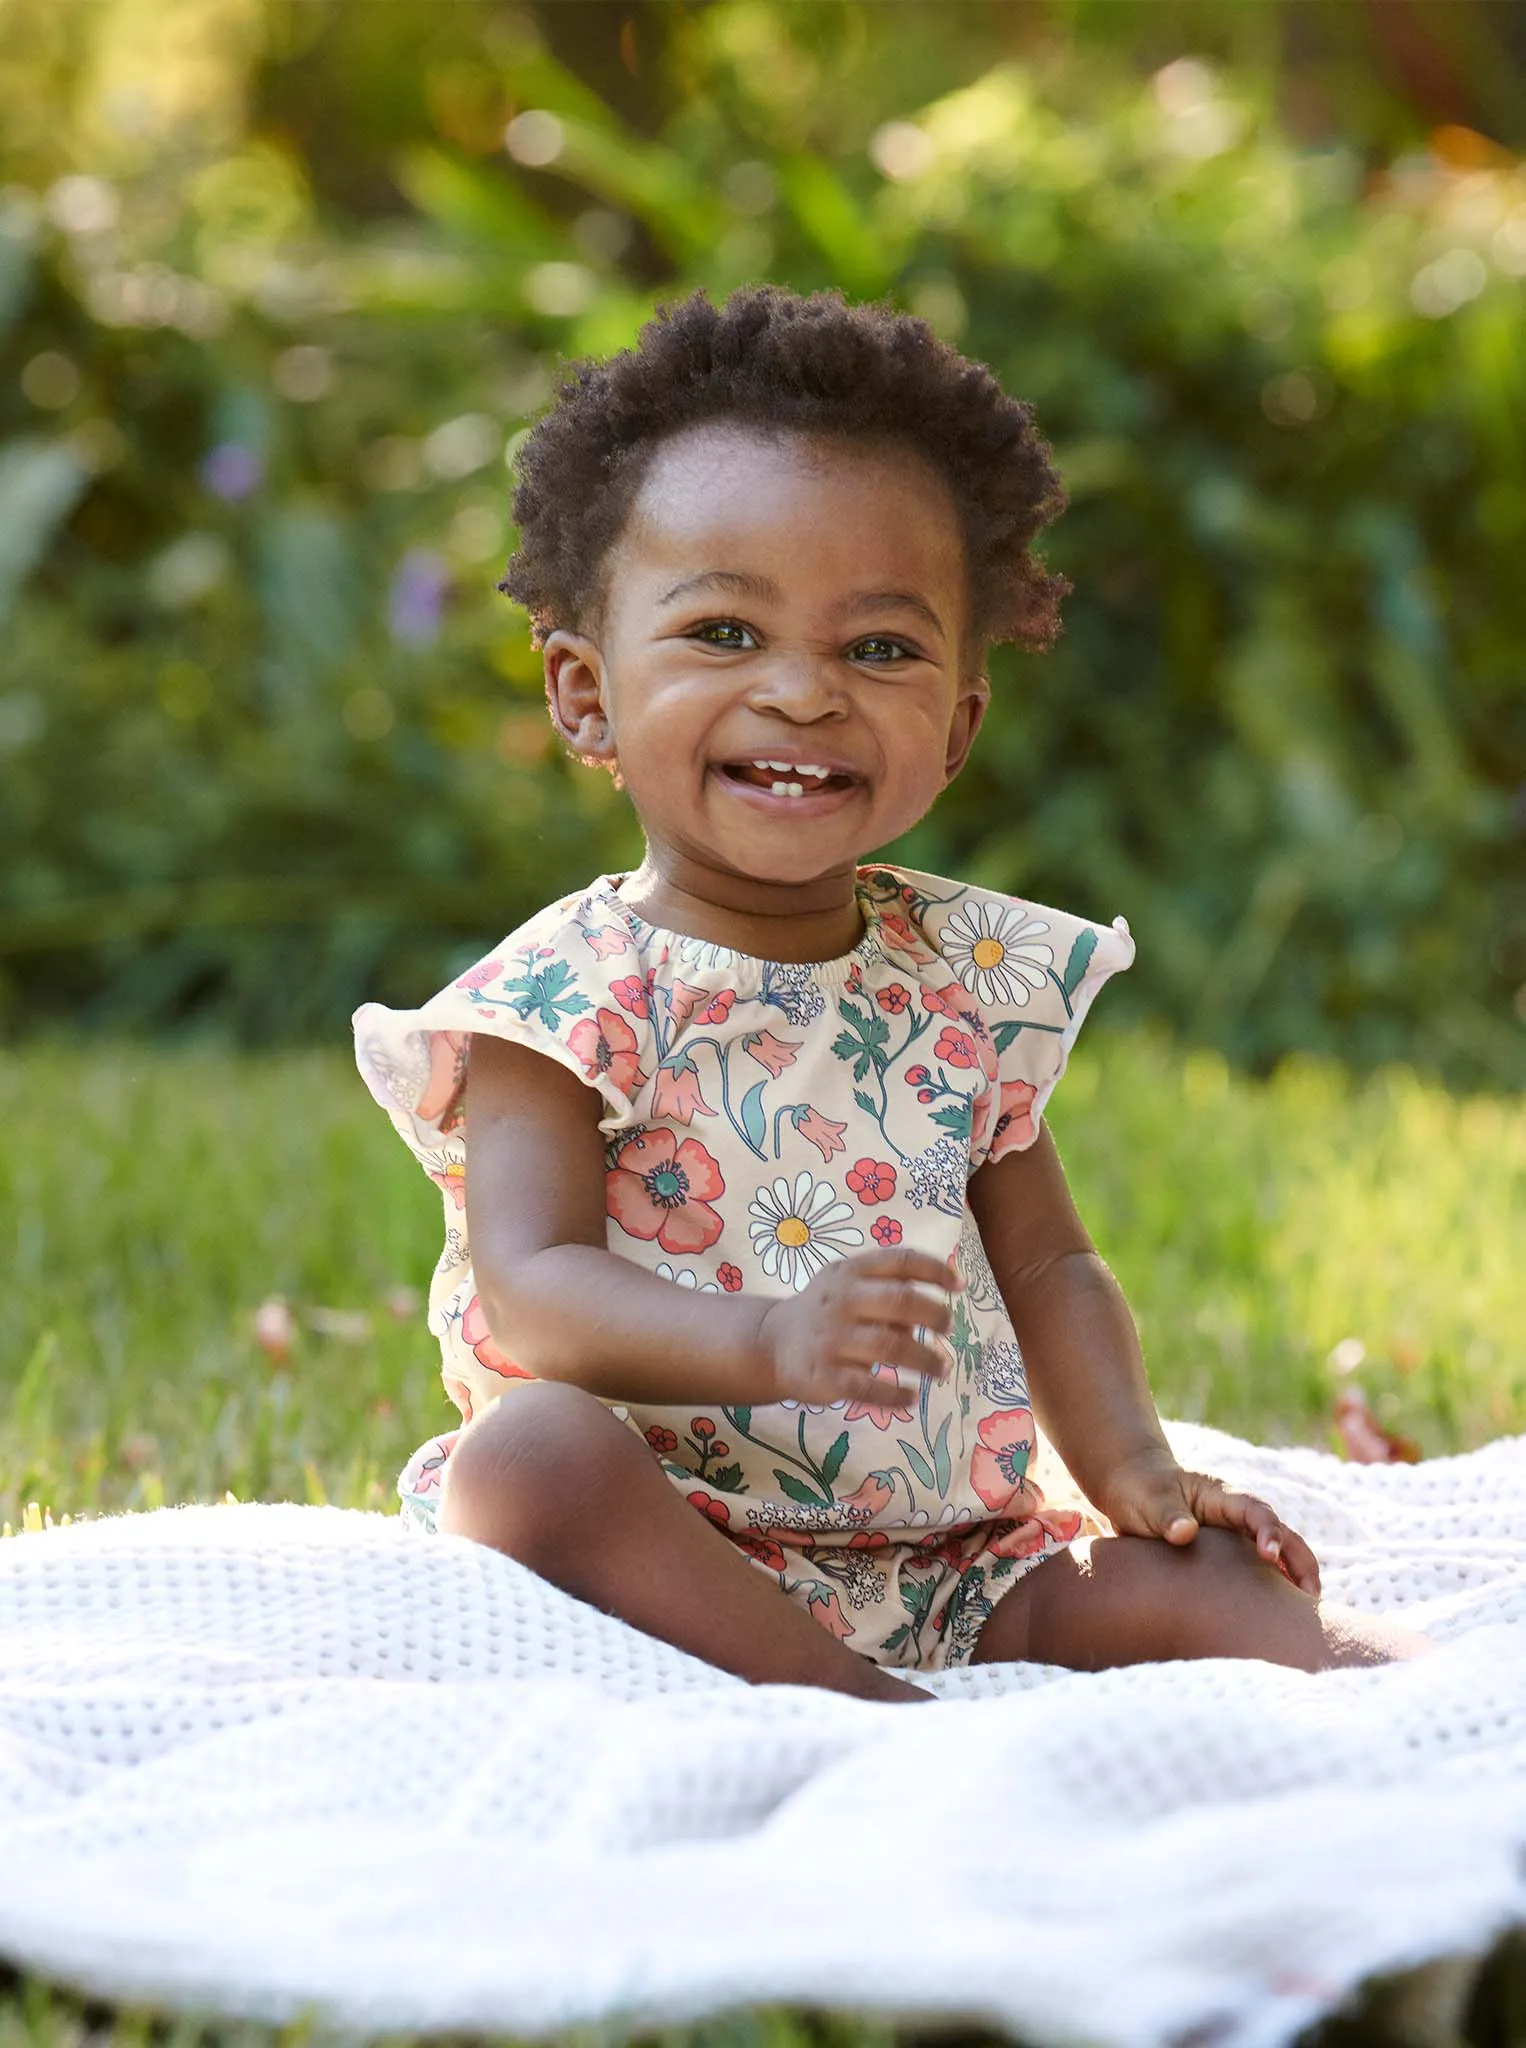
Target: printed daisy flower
x=796 y=1231
x=683 y=1277
x=451 y=1179
x=995 y=952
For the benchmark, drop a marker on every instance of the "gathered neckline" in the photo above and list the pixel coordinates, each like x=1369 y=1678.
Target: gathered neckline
x=712 y=951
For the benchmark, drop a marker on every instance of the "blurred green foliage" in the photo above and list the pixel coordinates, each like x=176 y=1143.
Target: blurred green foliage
x=281 y=284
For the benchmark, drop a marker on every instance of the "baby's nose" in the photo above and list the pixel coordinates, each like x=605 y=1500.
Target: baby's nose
x=801 y=686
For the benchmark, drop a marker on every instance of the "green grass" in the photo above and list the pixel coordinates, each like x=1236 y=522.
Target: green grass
x=151 y=1199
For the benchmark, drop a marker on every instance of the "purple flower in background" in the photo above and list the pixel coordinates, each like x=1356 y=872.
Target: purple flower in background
x=231 y=471
x=416 y=599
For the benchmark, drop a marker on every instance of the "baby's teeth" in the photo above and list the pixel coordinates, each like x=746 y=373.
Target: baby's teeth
x=797 y=768
x=788 y=789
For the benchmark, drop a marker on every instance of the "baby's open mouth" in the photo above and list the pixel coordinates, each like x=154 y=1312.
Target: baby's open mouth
x=787 y=778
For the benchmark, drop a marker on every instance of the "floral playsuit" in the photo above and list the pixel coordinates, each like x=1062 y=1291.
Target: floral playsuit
x=763 y=1120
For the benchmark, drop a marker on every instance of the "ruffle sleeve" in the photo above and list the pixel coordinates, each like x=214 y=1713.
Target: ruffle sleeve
x=1032 y=974
x=541 y=988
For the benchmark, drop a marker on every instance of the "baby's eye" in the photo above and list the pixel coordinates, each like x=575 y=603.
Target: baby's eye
x=724 y=633
x=879 y=648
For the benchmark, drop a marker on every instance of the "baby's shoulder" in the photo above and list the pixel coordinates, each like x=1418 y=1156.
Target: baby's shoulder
x=1005 y=951
x=542 y=985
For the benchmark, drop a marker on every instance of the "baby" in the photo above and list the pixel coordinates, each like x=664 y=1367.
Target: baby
x=760 y=1264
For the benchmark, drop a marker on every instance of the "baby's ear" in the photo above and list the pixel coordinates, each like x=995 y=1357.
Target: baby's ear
x=969 y=710
x=575 y=696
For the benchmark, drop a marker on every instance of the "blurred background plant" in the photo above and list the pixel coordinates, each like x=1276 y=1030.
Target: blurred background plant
x=281 y=285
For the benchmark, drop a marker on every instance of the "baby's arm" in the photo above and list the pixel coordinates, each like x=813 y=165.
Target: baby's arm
x=565 y=1307
x=1086 y=1374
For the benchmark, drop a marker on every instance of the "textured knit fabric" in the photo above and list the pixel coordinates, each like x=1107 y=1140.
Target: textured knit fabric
x=287 y=1764
x=764 y=1120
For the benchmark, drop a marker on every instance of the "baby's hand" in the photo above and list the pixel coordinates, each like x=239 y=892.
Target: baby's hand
x=822 y=1345
x=1153 y=1496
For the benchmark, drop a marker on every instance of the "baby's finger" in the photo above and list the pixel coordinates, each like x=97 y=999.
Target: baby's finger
x=1298 y=1562
x=1274 y=1541
x=1214 y=1504
x=884 y=1344
x=901 y=1304
x=905 y=1262
x=882 y=1390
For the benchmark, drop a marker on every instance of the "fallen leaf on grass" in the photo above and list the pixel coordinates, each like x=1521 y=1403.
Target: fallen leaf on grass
x=1365 y=1439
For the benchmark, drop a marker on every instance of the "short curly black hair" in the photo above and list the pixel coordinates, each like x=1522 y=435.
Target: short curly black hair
x=781 y=361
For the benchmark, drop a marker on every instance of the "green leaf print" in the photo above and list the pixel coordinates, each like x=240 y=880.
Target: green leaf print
x=865 y=1102
x=728 y=1478
x=964 y=1339
x=955 y=1117
x=864 y=1042
x=798 y=1490
x=1080 y=955
x=831 y=1464
x=918 y=1463
x=847 y=1047
x=940 y=1457
x=1005 y=1033
x=739 y=1418
x=754 y=1122
x=916 y=1596
x=544 y=994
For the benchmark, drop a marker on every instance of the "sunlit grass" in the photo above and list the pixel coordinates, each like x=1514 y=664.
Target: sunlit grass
x=149 y=1200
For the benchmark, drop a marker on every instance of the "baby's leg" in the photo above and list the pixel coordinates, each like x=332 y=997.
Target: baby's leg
x=1135 y=1600
x=551 y=1477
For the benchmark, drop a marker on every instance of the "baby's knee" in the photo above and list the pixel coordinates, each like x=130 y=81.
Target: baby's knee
x=527 y=1469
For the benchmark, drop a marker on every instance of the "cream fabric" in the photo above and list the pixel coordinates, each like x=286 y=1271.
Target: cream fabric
x=264 y=1758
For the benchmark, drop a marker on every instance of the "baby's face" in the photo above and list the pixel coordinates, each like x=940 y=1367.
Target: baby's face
x=783 y=656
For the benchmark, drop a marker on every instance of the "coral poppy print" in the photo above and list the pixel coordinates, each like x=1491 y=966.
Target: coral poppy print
x=763 y=1121
x=659 y=1188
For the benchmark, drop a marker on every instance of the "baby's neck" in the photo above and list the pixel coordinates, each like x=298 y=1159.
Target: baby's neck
x=805 y=921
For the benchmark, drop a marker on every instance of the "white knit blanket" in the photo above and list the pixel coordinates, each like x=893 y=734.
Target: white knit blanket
x=262 y=1759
